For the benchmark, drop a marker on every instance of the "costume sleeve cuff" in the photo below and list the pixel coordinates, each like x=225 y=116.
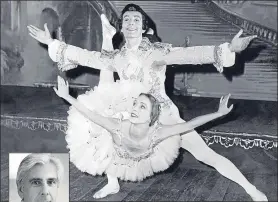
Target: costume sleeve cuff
x=223 y=57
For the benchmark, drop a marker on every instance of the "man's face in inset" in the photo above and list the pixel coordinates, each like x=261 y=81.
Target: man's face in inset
x=41 y=184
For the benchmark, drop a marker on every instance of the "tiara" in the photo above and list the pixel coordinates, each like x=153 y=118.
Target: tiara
x=132 y=8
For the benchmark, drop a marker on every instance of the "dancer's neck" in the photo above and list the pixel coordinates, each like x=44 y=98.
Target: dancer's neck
x=133 y=42
x=139 y=131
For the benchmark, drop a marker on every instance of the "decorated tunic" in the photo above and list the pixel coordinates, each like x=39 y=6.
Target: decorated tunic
x=140 y=63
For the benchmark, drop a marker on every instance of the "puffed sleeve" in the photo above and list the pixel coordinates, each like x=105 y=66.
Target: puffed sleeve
x=219 y=56
x=69 y=57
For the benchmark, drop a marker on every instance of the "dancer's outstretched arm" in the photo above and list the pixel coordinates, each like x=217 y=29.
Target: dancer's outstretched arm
x=220 y=56
x=171 y=130
x=68 y=56
x=62 y=91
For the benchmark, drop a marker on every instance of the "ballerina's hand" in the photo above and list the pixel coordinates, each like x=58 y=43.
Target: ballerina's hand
x=240 y=44
x=63 y=88
x=108 y=30
x=40 y=35
x=223 y=105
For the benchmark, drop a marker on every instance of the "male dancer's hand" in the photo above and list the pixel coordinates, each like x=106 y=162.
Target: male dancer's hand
x=40 y=35
x=239 y=44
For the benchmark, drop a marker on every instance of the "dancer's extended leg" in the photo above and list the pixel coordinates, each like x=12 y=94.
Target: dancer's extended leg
x=194 y=143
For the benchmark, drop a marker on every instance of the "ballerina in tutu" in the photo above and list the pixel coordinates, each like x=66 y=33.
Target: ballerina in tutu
x=136 y=148
x=138 y=62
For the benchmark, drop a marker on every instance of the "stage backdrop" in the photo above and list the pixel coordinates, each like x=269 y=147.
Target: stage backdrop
x=25 y=62
x=184 y=23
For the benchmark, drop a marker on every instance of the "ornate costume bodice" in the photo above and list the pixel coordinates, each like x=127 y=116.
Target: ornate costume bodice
x=137 y=65
x=136 y=150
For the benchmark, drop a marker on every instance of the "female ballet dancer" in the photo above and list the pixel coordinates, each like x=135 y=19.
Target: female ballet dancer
x=145 y=62
x=136 y=147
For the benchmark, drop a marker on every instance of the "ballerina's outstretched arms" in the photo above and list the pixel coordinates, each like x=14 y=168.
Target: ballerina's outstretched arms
x=164 y=131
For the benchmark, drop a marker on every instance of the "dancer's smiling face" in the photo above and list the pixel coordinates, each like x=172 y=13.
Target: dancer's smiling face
x=146 y=109
x=141 y=111
x=132 y=24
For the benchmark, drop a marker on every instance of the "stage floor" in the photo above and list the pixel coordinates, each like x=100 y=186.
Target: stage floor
x=187 y=179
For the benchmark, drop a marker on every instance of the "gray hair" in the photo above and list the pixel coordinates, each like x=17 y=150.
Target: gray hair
x=33 y=159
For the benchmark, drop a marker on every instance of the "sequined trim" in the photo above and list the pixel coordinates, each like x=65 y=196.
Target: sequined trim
x=217 y=58
x=108 y=54
x=146 y=45
x=133 y=77
x=155 y=82
x=122 y=153
x=132 y=8
x=62 y=66
x=163 y=47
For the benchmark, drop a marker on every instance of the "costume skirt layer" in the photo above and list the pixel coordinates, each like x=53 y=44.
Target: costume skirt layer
x=92 y=149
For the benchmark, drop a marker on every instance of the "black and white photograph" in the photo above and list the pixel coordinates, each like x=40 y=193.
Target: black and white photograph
x=38 y=177
x=150 y=100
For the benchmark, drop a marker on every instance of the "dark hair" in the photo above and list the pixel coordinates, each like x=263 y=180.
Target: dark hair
x=155 y=112
x=50 y=17
x=118 y=40
x=134 y=7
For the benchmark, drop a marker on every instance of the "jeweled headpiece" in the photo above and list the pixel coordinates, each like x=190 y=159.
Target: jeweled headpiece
x=134 y=7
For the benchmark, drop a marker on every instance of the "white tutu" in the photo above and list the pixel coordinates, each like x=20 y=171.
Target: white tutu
x=92 y=149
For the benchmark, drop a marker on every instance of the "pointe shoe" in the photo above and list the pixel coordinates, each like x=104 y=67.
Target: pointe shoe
x=107 y=190
x=258 y=196
x=108 y=29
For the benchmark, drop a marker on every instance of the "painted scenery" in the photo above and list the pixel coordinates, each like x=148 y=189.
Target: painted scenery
x=25 y=62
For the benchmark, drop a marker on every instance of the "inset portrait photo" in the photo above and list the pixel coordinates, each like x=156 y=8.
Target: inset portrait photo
x=38 y=177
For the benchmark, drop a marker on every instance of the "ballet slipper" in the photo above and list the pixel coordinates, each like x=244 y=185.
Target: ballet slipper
x=108 y=30
x=110 y=188
x=257 y=195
